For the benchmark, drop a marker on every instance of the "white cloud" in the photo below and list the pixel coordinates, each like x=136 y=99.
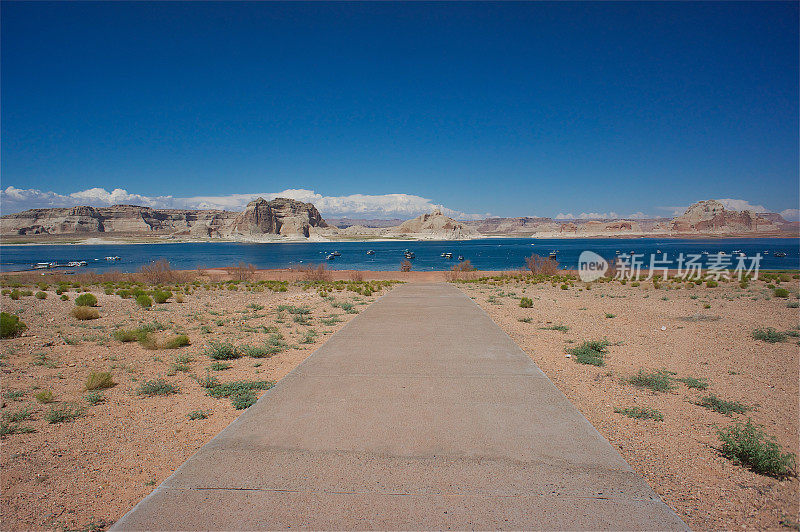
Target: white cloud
x=741 y=205
x=14 y=199
x=793 y=215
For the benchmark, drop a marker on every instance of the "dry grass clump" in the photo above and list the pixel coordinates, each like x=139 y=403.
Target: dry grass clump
x=243 y=271
x=99 y=381
x=85 y=313
x=405 y=265
x=315 y=273
x=461 y=271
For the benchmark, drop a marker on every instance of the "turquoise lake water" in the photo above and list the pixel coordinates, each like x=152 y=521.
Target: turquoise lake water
x=485 y=254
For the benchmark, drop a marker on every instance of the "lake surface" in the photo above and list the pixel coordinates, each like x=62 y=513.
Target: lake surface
x=485 y=254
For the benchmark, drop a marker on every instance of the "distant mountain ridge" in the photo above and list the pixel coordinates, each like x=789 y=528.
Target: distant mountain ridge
x=287 y=219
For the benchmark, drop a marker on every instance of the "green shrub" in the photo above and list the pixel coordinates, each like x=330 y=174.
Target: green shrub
x=41 y=295
x=85 y=313
x=793 y=304
x=692 y=382
x=161 y=296
x=14 y=294
x=60 y=414
x=126 y=336
x=780 y=292
x=222 y=351
x=10 y=325
x=99 y=381
x=156 y=387
x=243 y=400
x=746 y=444
x=44 y=397
x=591 y=352
x=15 y=417
x=641 y=412
x=95 y=398
x=713 y=402
x=657 y=381
x=180 y=340
x=64 y=297
x=526 y=302
x=86 y=300
x=144 y=301
x=711 y=284
x=609 y=315
x=197 y=414
x=220 y=366
x=562 y=328
x=769 y=335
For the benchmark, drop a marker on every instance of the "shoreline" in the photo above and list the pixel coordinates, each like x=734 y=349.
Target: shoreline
x=95 y=241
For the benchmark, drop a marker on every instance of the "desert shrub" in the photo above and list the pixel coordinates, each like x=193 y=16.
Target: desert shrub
x=176 y=342
x=539 y=265
x=405 y=265
x=769 y=335
x=161 y=296
x=220 y=366
x=641 y=412
x=63 y=413
x=158 y=272
x=21 y=415
x=711 y=284
x=793 y=304
x=526 y=302
x=14 y=294
x=314 y=273
x=85 y=313
x=695 y=383
x=41 y=295
x=780 y=292
x=95 y=398
x=86 y=300
x=64 y=297
x=178 y=298
x=197 y=414
x=609 y=315
x=222 y=351
x=99 y=381
x=156 y=387
x=144 y=301
x=243 y=400
x=591 y=352
x=126 y=335
x=657 y=381
x=44 y=397
x=746 y=444
x=722 y=406
x=243 y=271
x=10 y=325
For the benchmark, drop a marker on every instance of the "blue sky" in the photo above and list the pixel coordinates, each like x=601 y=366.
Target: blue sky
x=503 y=108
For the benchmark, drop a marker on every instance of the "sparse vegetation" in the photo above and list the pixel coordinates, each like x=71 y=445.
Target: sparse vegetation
x=44 y=397
x=591 y=352
x=144 y=301
x=562 y=328
x=769 y=335
x=526 y=302
x=63 y=413
x=197 y=414
x=780 y=292
x=722 y=406
x=94 y=398
x=641 y=412
x=156 y=387
x=175 y=342
x=748 y=445
x=222 y=351
x=694 y=383
x=657 y=381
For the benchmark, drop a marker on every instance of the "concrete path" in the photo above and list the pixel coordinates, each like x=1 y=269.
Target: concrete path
x=419 y=414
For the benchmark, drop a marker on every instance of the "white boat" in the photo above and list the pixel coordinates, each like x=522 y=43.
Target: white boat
x=41 y=266
x=370 y=252
x=112 y=258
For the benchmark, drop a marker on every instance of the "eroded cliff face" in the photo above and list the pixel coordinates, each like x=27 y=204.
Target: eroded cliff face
x=280 y=216
x=711 y=217
x=277 y=217
x=434 y=226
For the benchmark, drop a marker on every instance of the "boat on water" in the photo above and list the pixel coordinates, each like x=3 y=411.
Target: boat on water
x=554 y=254
x=461 y=257
x=779 y=254
x=112 y=258
x=76 y=263
x=41 y=266
x=448 y=255
x=330 y=256
x=336 y=254
x=409 y=255
x=370 y=252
